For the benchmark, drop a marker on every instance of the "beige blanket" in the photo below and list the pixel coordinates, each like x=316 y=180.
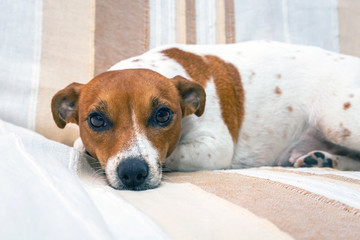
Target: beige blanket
x=48 y=191
x=262 y=203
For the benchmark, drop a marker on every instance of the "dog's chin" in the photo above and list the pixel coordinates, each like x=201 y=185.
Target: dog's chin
x=142 y=187
x=150 y=183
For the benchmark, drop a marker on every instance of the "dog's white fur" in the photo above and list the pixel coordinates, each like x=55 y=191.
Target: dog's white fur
x=141 y=147
x=290 y=92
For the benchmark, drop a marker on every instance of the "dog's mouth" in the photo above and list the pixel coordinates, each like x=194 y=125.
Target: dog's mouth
x=135 y=183
x=135 y=174
x=130 y=174
x=141 y=187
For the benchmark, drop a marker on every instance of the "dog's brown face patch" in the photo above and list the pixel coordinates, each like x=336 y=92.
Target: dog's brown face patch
x=118 y=96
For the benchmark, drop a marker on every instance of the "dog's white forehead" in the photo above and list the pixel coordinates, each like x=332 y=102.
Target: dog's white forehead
x=139 y=147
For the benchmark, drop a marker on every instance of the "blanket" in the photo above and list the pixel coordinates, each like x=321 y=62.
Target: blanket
x=50 y=191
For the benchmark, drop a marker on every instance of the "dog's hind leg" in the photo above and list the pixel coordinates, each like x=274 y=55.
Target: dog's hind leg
x=325 y=159
x=338 y=120
x=314 y=150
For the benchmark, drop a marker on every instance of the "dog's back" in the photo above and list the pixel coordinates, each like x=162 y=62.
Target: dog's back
x=289 y=91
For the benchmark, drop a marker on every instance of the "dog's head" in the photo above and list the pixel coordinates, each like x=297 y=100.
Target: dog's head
x=130 y=120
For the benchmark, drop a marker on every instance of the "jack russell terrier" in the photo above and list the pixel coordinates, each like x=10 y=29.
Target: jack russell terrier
x=192 y=107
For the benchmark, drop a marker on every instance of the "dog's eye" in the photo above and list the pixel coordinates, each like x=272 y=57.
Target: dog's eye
x=98 y=122
x=163 y=116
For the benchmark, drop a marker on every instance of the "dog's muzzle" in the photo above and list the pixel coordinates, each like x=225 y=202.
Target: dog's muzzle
x=133 y=172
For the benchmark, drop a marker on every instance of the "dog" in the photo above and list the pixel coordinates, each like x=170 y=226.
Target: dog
x=195 y=107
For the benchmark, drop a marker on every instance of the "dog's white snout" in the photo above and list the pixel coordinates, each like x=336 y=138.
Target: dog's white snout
x=135 y=168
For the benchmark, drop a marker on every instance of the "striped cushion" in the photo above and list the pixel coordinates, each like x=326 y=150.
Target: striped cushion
x=38 y=181
x=259 y=203
x=305 y=203
x=45 y=44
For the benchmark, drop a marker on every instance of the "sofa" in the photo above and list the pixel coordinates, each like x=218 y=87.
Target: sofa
x=49 y=190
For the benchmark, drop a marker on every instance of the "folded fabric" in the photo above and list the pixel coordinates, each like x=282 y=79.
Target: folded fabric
x=49 y=191
x=43 y=198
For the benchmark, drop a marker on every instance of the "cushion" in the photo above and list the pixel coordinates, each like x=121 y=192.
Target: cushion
x=54 y=184
x=46 y=45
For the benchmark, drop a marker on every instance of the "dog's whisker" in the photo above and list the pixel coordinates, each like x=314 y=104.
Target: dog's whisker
x=165 y=178
x=100 y=170
x=97 y=179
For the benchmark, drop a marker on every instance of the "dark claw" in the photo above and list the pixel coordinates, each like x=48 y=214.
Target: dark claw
x=310 y=161
x=327 y=163
x=319 y=155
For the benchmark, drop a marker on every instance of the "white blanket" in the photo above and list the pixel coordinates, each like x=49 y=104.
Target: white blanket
x=41 y=196
x=48 y=191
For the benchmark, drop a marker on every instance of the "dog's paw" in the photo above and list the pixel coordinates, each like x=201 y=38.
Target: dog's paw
x=316 y=159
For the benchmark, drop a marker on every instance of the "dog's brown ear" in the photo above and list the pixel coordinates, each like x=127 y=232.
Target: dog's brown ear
x=64 y=105
x=192 y=96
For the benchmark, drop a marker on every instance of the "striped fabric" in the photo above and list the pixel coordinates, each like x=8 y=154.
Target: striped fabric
x=45 y=44
x=304 y=203
x=261 y=203
x=38 y=181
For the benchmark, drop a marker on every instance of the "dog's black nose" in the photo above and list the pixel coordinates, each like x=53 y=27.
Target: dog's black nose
x=132 y=172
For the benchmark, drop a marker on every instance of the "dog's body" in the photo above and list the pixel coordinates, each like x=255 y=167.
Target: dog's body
x=266 y=104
